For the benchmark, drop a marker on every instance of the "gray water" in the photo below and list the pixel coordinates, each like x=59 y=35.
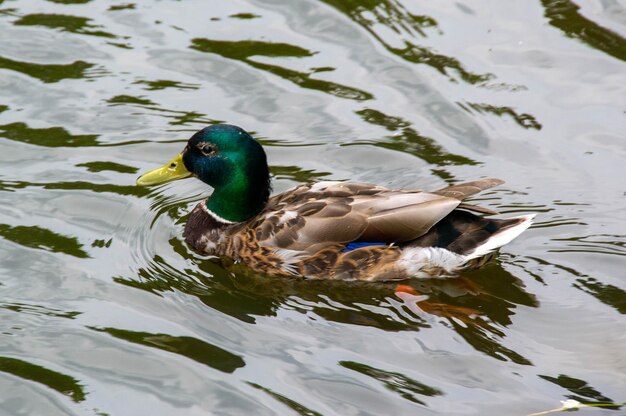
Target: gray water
x=105 y=311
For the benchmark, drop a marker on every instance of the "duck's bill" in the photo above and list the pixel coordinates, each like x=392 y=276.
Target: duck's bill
x=174 y=169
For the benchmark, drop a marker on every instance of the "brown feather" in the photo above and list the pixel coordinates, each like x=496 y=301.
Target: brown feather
x=465 y=189
x=408 y=222
x=476 y=208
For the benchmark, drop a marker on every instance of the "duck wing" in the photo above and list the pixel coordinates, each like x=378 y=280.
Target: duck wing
x=399 y=216
x=312 y=217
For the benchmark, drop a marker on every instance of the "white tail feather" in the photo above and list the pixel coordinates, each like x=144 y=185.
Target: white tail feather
x=501 y=238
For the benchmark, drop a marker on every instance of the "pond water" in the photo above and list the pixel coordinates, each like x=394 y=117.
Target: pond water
x=105 y=311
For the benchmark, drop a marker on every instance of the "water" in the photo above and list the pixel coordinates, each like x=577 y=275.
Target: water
x=104 y=310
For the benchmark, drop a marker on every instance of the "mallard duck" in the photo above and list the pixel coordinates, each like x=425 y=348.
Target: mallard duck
x=329 y=230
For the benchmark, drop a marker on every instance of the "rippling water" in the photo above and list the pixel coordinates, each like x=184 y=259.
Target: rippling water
x=105 y=311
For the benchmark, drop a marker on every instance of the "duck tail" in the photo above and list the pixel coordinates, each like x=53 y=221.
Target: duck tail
x=466 y=241
x=508 y=229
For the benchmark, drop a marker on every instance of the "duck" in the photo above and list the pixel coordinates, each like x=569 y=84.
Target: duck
x=340 y=230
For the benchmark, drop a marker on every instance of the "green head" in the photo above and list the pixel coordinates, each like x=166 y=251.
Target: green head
x=231 y=161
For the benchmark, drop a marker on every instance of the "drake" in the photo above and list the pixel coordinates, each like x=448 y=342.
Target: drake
x=329 y=230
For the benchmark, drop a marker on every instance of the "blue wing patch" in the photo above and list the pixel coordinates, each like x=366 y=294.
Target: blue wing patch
x=360 y=244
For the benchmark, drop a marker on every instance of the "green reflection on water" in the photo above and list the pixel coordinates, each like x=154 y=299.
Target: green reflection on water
x=483 y=340
x=401 y=384
x=387 y=12
x=129 y=99
x=442 y=63
x=394 y=16
x=112 y=166
x=581 y=390
x=610 y=295
x=3 y=108
x=101 y=243
x=10 y=186
x=62 y=383
x=244 y=50
x=192 y=348
x=49 y=137
x=38 y=310
x=42 y=238
x=128 y=6
x=564 y=15
x=161 y=84
x=297 y=174
x=67 y=23
x=47 y=72
x=524 y=120
x=245 y=16
x=120 y=45
x=185 y=118
x=293 y=405
x=605 y=293
x=97 y=187
x=179 y=118
x=408 y=140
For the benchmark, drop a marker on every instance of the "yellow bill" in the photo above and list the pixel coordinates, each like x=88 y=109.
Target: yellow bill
x=173 y=170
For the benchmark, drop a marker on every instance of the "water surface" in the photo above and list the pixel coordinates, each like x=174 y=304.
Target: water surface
x=105 y=311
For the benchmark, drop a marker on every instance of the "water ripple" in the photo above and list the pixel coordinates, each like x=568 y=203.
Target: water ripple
x=55 y=380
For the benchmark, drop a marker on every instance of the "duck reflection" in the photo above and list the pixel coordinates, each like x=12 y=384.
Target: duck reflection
x=477 y=305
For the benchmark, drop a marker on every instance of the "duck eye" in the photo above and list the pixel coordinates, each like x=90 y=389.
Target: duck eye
x=207 y=149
